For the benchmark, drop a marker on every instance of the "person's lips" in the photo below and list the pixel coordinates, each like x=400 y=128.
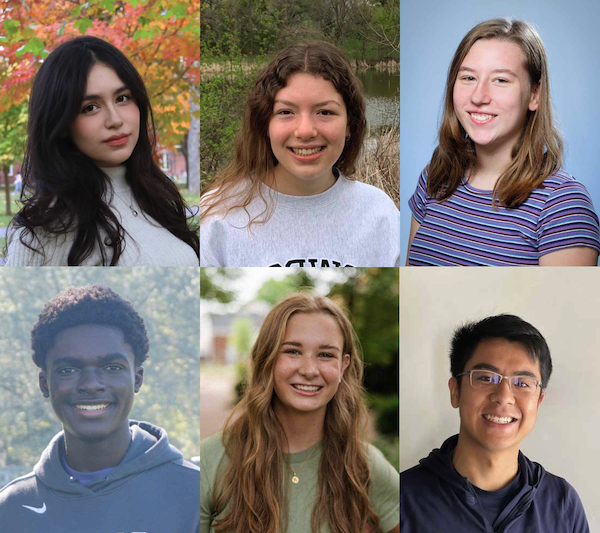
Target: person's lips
x=501 y=420
x=306 y=390
x=92 y=409
x=117 y=140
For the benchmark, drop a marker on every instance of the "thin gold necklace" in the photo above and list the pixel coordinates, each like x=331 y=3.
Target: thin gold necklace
x=295 y=478
x=133 y=211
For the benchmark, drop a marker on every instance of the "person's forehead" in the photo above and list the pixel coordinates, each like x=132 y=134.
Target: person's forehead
x=308 y=324
x=508 y=356
x=493 y=54
x=89 y=342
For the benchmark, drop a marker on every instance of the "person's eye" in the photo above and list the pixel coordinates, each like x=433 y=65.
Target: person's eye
x=502 y=80
x=468 y=78
x=114 y=368
x=292 y=351
x=326 y=354
x=125 y=96
x=523 y=384
x=88 y=109
x=326 y=112
x=485 y=378
x=283 y=112
x=66 y=371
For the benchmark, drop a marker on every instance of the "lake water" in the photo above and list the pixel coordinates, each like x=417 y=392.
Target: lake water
x=382 y=95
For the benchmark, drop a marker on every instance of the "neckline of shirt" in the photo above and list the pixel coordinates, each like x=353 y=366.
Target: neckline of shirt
x=117 y=178
x=314 y=201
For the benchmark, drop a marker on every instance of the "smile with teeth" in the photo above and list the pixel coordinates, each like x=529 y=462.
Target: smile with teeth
x=499 y=419
x=480 y=117
x=307 y=388
x=93 y=407
x=306 y=151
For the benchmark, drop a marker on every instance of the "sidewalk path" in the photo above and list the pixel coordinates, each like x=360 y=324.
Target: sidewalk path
x=216 y=397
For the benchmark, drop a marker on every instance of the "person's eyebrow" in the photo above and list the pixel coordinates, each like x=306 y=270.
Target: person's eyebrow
x=486 y=366
x=96 y=96
x=496 y=71
x=321 y=346
x=103 y=360
x=319 y=104
x=71 y=361
x=329 y=347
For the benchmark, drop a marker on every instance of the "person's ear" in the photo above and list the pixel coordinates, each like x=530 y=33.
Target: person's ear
x=345 y=362
x=534 y=99
x=139 y=378
x=43 y=384
x=454 y=392
x=541 y=398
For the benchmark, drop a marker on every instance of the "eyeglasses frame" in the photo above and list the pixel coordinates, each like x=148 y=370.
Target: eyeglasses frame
x=538 y=383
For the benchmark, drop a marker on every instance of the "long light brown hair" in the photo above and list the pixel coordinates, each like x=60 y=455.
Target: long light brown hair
x=252 y=486
x=538 y=151
x=253 y=160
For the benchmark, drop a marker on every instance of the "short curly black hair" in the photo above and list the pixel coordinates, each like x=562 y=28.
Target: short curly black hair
x=92 y=304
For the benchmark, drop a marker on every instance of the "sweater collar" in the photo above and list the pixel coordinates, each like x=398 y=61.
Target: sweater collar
x=117 y=177
x=307 y=202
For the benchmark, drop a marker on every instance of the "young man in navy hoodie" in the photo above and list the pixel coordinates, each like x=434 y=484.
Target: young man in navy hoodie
x=479 y=481
x=103 y=473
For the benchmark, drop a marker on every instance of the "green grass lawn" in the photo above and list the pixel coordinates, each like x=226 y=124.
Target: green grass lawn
x=14 y=207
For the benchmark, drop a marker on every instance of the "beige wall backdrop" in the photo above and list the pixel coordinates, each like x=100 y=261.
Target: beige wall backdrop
x=564 y=304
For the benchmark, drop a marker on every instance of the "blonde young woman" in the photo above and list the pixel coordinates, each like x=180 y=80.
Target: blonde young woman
x=494 y=192
x=291 y=457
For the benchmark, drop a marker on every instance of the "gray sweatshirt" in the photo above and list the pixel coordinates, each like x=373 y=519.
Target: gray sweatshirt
x=350 y=224
x=152 y=490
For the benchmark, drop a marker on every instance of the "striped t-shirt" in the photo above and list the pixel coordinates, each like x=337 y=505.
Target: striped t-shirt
x=465 y=230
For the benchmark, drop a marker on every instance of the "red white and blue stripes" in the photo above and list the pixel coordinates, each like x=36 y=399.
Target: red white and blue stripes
x=465 y=230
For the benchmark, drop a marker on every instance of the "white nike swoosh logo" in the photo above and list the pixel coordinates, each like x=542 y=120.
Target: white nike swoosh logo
x=38 y=510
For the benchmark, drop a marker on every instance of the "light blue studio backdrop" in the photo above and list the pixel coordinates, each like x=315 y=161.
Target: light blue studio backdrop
x=430 y=31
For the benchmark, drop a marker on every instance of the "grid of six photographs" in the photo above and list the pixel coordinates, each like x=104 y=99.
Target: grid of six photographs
x=265 y=358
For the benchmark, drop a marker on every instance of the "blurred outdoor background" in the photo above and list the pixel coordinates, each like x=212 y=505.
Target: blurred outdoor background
x=161 y=39
x=168 y=301
x=234 y=303
x=240 y=36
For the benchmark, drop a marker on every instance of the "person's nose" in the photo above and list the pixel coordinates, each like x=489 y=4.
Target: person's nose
x=305 y=127
x=309 y=368
x=113 y=118
x=90 y=382
x=481 y=94
x=502 y=394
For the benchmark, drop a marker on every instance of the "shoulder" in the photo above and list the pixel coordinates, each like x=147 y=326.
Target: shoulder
x=184 y=468
x=212 y=451
x=56 y=248
x=417 y=477
x=378 y=462
x=19 y=489
x=557 y=488
x=365 y=194
x=561 y=183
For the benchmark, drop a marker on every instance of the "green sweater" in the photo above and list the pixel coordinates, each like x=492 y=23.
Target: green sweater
x=384 y=492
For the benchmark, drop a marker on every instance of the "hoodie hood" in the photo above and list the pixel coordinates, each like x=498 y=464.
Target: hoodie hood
x=148 y=449
x=439 y=463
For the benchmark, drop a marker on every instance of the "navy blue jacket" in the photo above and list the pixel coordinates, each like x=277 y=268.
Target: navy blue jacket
x=435 y=498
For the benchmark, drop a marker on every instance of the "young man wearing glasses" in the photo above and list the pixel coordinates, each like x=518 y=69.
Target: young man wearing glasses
x=479 y=480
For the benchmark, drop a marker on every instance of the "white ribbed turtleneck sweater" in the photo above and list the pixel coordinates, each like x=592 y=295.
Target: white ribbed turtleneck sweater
x=147 y=243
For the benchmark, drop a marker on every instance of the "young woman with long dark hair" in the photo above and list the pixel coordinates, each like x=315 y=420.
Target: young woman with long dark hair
x=292 y=456
x=284 y=199
x=92 y=192
x=494 y=192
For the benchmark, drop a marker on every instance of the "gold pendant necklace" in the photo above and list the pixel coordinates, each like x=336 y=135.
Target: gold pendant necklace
x=133 y=211
x=295 y=478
